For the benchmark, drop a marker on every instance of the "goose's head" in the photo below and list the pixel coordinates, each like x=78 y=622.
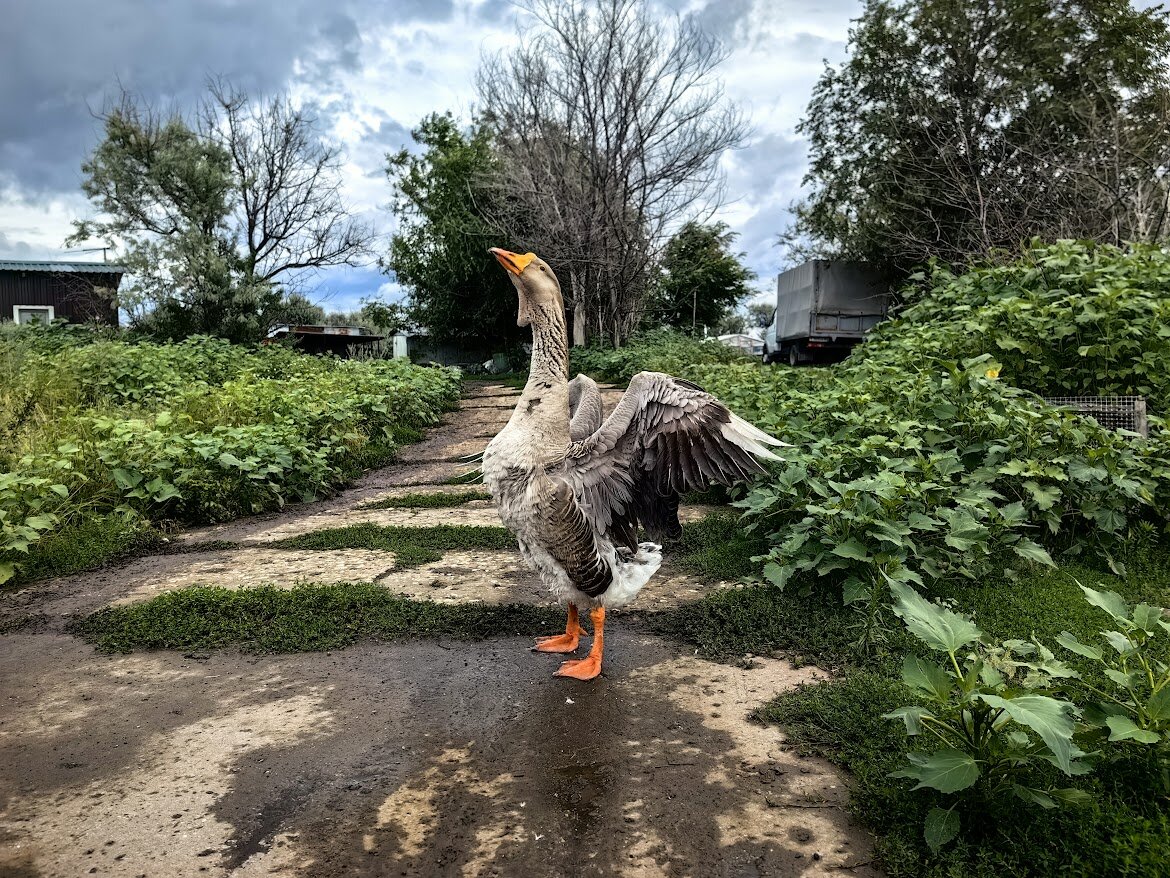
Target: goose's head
x=535 y=282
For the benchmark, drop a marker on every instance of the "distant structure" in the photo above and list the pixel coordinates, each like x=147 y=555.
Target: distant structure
x=79 y=292
x=315 y=338
x=749 y=343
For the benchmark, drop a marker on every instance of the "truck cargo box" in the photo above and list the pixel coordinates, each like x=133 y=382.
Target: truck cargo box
x=825 y=306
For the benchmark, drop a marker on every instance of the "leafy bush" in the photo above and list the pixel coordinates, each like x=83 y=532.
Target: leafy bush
x=989 y=708
x=1064 y=319
x=1001 y=712
x=1131 y=710
x=660 y=350
x=194 y=431
x=926 y=475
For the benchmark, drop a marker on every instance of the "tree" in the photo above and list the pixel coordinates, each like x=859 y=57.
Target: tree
x=759 y=314
x=701 y=280
x=958 y=128
x=219 y=212
x=610 y=124
x=439 y=253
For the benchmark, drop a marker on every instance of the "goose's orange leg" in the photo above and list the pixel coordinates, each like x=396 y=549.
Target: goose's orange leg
x=566 y=642
x=590 y=666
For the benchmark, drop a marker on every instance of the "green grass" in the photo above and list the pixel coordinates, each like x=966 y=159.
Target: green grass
x=86 y=545
x=302 y=619
x=474 y=477
x=717 y=548
x=411 y=546
x=428 y=501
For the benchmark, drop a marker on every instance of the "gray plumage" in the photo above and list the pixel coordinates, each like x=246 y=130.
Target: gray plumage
x=575 y=488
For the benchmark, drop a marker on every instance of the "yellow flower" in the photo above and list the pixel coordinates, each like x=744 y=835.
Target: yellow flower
x=993 y=373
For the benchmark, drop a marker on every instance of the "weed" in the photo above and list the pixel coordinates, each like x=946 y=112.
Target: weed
x=428 y=501
x=411 y=546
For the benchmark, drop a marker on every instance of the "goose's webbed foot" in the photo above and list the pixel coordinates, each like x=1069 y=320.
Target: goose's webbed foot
x=590 y=666
x=566 y=642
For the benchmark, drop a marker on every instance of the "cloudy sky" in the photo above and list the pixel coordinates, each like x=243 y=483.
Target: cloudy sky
x=373 y=70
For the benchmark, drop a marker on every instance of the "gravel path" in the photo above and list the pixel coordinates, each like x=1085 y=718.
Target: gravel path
x=416 y=758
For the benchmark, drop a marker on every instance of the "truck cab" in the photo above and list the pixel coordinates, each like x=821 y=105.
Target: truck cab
x=823 y=308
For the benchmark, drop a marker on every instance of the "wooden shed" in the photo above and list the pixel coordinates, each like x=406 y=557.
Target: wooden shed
x=78 y=292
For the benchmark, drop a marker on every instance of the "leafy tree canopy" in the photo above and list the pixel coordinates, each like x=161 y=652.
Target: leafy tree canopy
x=959 y=128
x=217 y=211
x=457 y=291
x=701 y=280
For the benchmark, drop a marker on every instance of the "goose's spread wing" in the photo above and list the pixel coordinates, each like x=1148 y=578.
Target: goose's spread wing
x=666 y=436
x=584 y=407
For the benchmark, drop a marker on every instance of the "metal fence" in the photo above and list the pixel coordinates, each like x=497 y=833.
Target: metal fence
x=1111 y=412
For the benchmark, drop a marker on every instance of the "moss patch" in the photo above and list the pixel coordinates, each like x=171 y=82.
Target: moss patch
x=303 y=619
x=411 y=546
x=428 y=501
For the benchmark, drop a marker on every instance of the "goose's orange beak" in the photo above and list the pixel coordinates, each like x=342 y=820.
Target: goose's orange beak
x=513 y=262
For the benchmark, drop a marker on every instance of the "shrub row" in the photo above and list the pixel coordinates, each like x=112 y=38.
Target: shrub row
x=195 y=431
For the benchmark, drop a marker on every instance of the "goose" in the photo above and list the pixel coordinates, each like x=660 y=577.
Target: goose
x=574 y=488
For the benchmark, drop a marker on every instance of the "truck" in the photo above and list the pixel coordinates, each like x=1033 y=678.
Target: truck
x=823 y=308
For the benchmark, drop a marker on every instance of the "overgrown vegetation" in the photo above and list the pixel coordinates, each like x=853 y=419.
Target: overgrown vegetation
x=411 y=546
x=658 y=350
x=926 y=463
x=194 y=431
x=301 y=619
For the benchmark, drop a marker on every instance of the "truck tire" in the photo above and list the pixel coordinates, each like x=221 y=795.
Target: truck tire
x=767 y=357
x=794 y=356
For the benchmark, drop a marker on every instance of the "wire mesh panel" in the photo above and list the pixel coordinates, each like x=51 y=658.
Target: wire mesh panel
x=1111 y=412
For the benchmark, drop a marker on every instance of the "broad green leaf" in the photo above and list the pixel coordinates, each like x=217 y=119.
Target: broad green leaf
x=778 y=574
x=1044 y=496
x=911 y=716
x=935 y=626
x=1038 y=797
x=947 y=771
x=926 y=677
x=941 y=828
x=1124 y=679
x=1070 y=642
x=7 y=571
x=1147 y=617
x=1051 y=719
x=40 y=522
x=1122 y=728
x=1071 y=796
x=918 y=521
x=853 y=549
x=1109 y=601
x=1158 y=707
x=1025 y=548
x=1119 y=642
x=126 y=479
x=853 y=590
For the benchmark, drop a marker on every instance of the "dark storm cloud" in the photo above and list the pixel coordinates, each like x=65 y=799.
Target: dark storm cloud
x=66 y=59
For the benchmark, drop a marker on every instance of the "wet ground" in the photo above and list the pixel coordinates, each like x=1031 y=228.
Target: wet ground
x=416 y=758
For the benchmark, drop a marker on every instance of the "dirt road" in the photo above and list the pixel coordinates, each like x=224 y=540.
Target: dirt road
x=413 y=759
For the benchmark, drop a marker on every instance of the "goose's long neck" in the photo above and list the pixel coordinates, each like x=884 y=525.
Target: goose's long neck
x=543 y=409
x=550 y=346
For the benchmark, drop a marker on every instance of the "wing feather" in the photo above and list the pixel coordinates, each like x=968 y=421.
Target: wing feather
x=665 y=436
